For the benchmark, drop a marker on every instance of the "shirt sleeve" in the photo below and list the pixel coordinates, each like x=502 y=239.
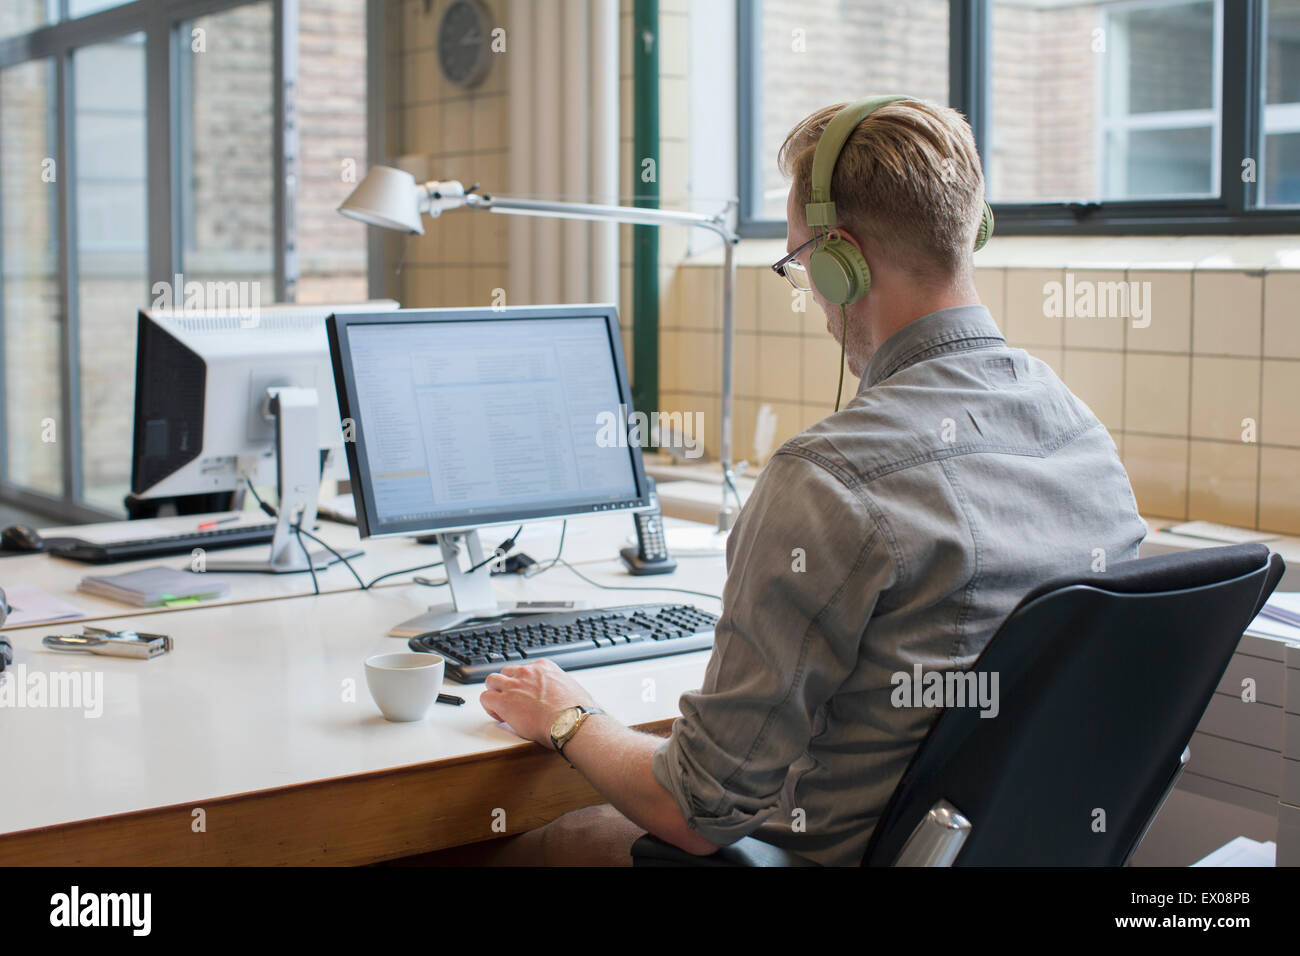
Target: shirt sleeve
x=805 y=565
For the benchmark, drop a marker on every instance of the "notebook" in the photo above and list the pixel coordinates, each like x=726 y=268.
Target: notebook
x=155 y=587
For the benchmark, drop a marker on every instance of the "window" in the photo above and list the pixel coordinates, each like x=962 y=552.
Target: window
x=813 y=52
x=29 y=298
x=1280 y=134
x=112 y=270
x=143 y=140
x=228 y=147
x=1092 y=116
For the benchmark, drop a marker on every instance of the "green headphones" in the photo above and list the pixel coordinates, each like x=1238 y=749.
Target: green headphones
x=837 y=268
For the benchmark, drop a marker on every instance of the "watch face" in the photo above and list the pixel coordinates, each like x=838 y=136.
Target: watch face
x=463 y=42
x=565 y=722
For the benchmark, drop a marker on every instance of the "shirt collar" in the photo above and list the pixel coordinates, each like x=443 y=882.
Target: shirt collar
x=948 y=330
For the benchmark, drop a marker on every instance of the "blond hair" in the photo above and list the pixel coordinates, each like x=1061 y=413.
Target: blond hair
x=908 y=177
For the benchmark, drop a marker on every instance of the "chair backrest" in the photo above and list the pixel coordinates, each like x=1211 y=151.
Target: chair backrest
x=1102 y=680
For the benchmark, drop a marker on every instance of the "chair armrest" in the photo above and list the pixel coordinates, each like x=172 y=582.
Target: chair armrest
x=651 y=851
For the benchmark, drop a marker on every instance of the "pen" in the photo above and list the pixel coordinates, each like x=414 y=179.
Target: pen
x=450 y=699
x=207 y=525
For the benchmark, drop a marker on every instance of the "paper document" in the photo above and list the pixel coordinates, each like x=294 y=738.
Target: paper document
x=1274 y=620
x=1223 y=533
x=29 y=605
x=110 y=532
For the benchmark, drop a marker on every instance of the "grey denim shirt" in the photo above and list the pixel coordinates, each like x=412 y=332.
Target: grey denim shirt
x=898 y=532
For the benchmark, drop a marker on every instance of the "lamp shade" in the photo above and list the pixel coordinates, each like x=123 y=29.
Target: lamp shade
x=388 y=198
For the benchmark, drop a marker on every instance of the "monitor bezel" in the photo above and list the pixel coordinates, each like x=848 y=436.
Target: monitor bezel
x=338 y=327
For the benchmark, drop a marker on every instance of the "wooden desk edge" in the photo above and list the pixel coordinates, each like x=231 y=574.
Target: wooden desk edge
x=361 y=818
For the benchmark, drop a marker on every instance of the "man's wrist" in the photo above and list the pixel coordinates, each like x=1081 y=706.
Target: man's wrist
x=566 y=724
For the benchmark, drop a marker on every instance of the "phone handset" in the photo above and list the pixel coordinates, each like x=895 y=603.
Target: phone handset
x=650 y=556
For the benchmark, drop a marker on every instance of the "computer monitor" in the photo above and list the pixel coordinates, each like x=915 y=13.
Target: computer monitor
x=222 y=399
x=464 y=418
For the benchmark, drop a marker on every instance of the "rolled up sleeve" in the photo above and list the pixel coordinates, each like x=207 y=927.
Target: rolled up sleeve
x=806 y=563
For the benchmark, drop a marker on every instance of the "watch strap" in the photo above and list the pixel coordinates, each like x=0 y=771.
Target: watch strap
x=582 y=718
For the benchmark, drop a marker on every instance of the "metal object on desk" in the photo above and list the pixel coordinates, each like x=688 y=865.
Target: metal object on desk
x=97 y=640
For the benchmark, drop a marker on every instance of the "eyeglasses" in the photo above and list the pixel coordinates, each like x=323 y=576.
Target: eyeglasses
x=793 y=269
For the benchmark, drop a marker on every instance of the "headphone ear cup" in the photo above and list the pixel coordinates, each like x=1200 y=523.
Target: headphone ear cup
x=839 y=272
x=985 y=232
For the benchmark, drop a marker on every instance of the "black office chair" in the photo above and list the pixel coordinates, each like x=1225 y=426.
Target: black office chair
x=1102 y=681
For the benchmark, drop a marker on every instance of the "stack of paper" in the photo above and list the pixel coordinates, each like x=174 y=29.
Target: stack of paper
x=156 y=586
x=1280 y=617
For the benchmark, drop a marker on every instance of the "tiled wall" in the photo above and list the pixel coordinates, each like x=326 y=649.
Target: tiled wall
x=1222 y=346
x=461 y=258
x=465 y=135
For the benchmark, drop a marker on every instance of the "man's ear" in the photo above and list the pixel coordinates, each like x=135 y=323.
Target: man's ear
x=851 y=239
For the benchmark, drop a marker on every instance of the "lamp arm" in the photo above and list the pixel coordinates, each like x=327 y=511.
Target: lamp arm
x=633 y=215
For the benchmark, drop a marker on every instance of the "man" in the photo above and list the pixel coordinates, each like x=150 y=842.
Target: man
x=896 y=533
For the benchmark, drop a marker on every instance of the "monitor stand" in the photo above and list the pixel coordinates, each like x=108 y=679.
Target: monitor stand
x=471 y=591
x=298 y=471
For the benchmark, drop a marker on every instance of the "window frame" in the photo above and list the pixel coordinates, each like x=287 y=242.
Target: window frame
x=160 y=22
x=1239 y=102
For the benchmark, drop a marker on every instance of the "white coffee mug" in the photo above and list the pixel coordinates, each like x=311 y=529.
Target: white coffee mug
x=405 y=685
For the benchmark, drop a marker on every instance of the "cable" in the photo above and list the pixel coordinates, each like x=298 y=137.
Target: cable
x=844 y=339
x=500 y=551
x=617 y=587
x=345 y=561
x=564 y=526
x=734 y=493
x=315 y=585
x=393 y=574
x=270 y=512
x=503 y=547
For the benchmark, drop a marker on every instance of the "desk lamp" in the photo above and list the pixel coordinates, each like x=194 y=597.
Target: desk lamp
x=392 y=199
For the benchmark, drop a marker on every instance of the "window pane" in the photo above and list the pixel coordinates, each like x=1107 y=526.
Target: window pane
x=22 y=16
x=332 y=149
x=813 y=55
x=1103 y=100
x=227 y=179
x=32 y=313
x=80 y=8
x=109 y=132
x=1280 y=170
x=1160 y=163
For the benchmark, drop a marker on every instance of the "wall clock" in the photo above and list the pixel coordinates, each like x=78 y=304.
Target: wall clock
x=465 y=42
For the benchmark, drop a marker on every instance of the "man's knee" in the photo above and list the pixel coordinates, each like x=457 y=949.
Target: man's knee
x=592 y=836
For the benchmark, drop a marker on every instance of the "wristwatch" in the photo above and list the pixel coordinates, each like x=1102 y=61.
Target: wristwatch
x=566 y=724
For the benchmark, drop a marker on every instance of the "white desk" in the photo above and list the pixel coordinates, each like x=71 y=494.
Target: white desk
x=596 y=538
x=249 y=720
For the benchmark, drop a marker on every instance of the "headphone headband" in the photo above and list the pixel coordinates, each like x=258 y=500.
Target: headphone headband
x=820 y=210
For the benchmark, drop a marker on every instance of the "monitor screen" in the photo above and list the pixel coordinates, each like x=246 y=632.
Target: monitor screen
x=469 y=417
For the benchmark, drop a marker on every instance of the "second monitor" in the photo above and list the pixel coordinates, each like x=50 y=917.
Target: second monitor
x=465 y=418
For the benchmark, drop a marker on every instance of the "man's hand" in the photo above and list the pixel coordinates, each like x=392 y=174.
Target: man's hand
x=530 y=696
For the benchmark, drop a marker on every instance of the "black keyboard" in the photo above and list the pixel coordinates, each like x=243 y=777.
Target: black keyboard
x=140 y=548
x=573 y=639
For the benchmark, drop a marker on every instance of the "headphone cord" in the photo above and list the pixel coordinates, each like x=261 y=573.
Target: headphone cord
x=844 y=338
